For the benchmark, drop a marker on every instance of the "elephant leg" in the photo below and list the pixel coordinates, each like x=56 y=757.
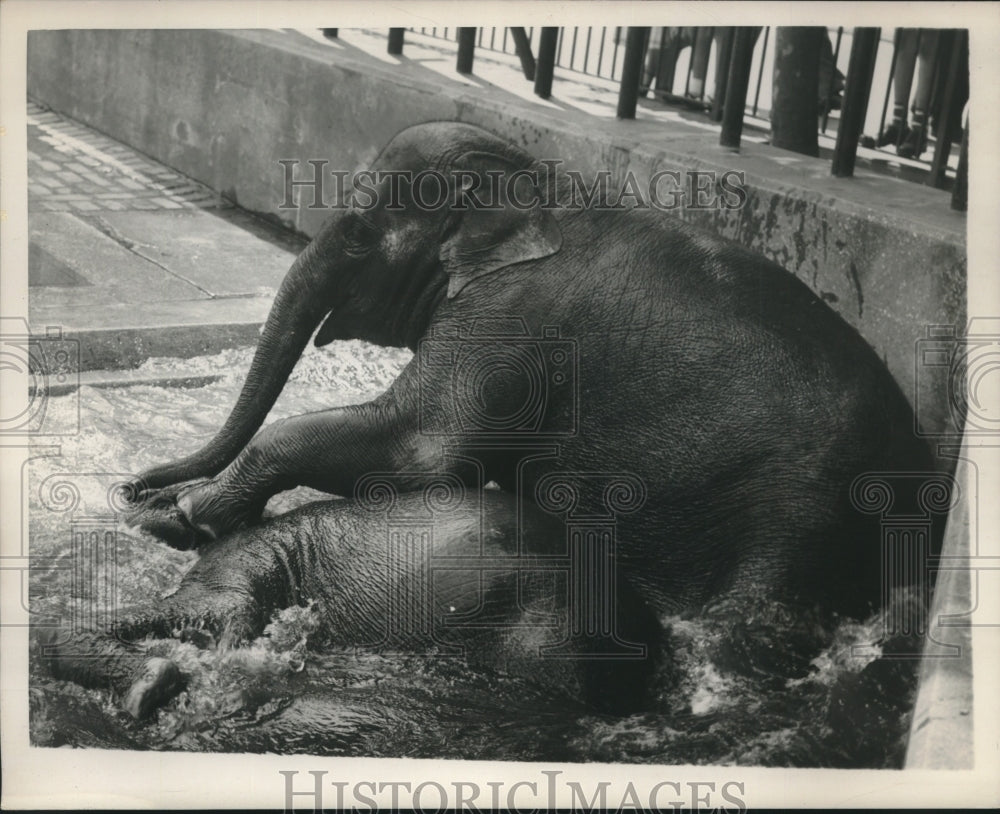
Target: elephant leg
x=328 y=450
x=227 y=597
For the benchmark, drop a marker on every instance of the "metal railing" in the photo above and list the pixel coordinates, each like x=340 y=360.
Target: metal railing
x=728 y=79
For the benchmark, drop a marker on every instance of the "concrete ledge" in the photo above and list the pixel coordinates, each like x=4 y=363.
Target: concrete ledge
x=120 y=336
x=125 y=378
x=941 y=734
x=225 y=106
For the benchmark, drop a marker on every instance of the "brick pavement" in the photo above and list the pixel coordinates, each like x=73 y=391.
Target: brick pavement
x=73 y=168
x=135 y=259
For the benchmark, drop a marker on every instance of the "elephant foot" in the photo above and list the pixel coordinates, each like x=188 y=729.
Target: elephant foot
x=158 y=513
x=214 y=514
x=103 y=661
x=188 y=515
x=158 y=682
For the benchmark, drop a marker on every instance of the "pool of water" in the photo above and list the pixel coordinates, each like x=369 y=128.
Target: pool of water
x=750 y=682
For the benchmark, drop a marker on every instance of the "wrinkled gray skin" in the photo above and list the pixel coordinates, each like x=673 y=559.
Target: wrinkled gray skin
x=742 y=401
x=336 y=553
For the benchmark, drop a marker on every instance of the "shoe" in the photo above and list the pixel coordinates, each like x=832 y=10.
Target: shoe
x=895 y=133
x=915 y=144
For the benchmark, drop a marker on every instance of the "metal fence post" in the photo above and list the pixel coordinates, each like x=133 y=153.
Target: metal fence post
x=960 y=192
x=736 y=87
x=523 y=49
x=466 y=49
x=722 y=75
x=546 y=61
x=943 y=147
x=396 y=41
x=856 y=91
x=628 y=91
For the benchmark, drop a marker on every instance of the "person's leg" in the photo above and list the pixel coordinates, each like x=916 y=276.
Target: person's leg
x=906 y=60
x=652 y=61
x=699 y=62
x=675 y=40
x=831 y=80
x=916 y=141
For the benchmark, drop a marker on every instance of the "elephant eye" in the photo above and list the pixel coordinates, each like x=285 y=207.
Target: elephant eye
x=359 y=235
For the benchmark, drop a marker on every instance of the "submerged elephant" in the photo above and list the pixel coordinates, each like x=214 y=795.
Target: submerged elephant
x=579 y=340
x=470 y=576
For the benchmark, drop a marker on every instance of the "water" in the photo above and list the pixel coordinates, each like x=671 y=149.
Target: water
x=749 y=682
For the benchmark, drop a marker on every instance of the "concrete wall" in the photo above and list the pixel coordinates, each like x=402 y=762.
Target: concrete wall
x=225 y=106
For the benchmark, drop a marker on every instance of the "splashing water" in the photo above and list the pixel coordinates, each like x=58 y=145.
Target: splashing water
x=749 y=681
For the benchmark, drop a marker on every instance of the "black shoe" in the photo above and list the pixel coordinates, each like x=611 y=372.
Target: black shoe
x=915 y=144
x=895 y=133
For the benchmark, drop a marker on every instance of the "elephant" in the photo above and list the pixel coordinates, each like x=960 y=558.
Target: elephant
x=588 y=342
x=480 y=586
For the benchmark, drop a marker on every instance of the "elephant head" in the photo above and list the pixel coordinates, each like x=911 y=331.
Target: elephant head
x=413 y=234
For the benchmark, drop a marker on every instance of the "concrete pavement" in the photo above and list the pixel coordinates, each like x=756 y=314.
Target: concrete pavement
x=134 y=259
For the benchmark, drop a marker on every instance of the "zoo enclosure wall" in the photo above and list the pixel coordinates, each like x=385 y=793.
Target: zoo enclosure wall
x=225 y=107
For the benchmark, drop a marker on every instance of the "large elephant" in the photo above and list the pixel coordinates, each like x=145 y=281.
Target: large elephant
x=587 y=341
x=473 y=575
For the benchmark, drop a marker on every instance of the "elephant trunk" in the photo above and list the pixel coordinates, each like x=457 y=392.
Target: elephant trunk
x=298 y=307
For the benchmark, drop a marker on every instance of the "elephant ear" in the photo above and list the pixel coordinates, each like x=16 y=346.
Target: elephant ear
x=507 y=231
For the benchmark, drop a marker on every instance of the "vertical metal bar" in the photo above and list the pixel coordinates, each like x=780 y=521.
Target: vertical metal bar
x=546 y=61
x=396 y=41
x=466 y=49
x=523 y=50
x=760 y=72
x=856 y=91
x=628 y=91
x=722 y=74
x=960 y=192
x=572 y=49
x=833 y=78
x=493 y=38
x=479 y=37
x=943 y=147
x=586 y=50
x=661 y=65
x=897 y=37
x=600 y=53
x=559 y=45
x=736 y=87
x=505 y=40
x=614 y=56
